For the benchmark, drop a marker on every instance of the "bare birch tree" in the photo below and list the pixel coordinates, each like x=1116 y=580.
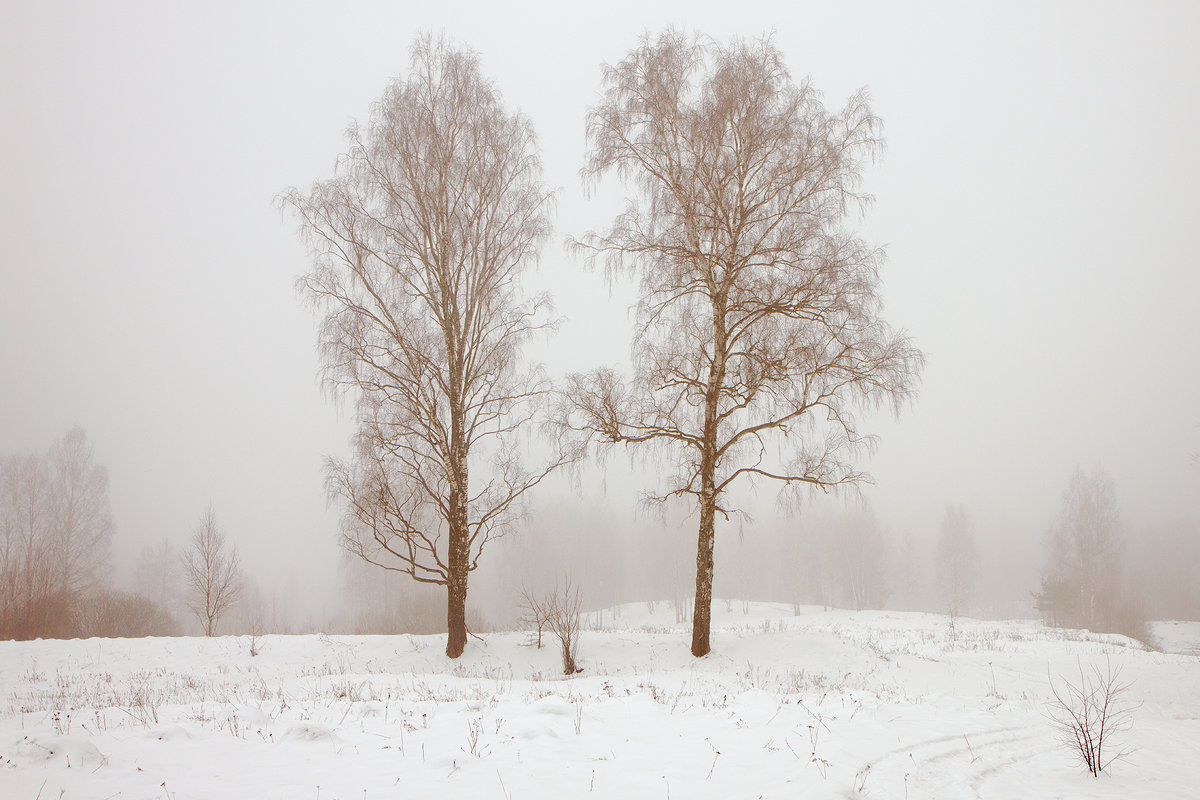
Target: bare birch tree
x=419 y=241
x=758 y=326
x=212 y=574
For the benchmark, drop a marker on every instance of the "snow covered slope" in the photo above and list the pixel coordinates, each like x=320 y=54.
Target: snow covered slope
x=819 y=705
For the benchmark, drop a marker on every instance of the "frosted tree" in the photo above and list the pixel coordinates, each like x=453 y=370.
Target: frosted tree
x=419 y=242
x=908 y=573
x=758 y=328
x=1086 y=544
x=956 y=560
x=81 y=521
x=211 y=573
x=820 y=571
x=862 y=560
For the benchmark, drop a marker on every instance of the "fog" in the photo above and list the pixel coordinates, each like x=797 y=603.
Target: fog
x=1036 y=197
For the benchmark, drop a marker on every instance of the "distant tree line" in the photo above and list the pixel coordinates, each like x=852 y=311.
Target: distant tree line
x=1099 y=572
x=55 y=532
x=1096 y=577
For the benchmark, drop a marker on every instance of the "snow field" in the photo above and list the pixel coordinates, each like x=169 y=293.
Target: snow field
x=822 y=704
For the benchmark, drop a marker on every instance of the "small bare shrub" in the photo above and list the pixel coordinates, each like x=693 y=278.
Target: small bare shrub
x=1090 y=716
x=475 y=746
x=256 y=634
x=141 y=698
x=533 y=613
x=562 y=607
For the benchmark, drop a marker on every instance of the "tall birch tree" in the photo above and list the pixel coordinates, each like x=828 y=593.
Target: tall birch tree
x=758 y=328
x=419 y=241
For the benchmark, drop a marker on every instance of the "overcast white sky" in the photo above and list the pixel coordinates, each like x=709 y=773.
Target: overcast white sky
x=1038 y=198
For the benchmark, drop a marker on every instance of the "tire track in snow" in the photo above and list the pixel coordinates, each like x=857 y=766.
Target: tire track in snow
x=912 y=747
x=926 y=761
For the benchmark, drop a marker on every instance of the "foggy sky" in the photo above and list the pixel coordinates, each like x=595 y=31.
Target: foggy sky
x=1037 y=198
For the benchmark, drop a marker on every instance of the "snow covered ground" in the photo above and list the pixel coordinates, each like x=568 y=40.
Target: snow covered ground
x=818 y=705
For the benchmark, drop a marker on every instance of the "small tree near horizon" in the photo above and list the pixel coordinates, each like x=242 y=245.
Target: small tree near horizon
x=212 y=574
x=156 y=575
x=863 y=555
x=562 y=608
x=956 y=560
